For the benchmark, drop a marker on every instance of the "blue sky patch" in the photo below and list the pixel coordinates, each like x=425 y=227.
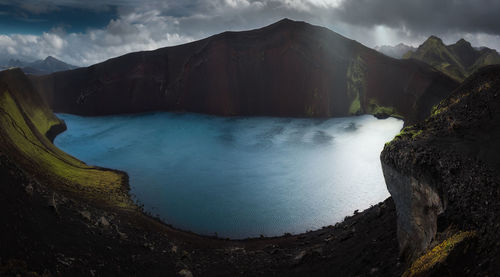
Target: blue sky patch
x=14 y=20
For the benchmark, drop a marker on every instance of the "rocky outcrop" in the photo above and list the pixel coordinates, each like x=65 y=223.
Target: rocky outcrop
x=286 y=69
x=443 y=174
x=419 y=206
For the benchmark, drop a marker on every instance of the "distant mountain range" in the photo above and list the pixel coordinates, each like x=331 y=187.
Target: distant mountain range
x=39 y=67
x=397 y=51
x=457 y=60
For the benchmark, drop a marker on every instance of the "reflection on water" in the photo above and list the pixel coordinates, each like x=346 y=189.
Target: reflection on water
x=240 y=176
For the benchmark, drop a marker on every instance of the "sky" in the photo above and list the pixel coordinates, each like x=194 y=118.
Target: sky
x=86 y=32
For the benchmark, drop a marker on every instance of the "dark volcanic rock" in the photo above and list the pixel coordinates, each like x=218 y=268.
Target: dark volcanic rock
x=443 y=175
x=286 y=69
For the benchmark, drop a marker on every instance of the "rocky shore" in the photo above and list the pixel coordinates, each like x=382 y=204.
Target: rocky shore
x=48 y=232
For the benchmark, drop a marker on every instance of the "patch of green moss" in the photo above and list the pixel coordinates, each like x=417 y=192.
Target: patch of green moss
x=408 y=132
x=374 y=108
x=355 y=107
x=446 y=103
x=309 y=111
x=30 y=147
x=356 y=84
x=437 y=255
x=435 y=110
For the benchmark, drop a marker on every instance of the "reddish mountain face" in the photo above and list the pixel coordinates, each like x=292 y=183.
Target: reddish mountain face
x=286 y=69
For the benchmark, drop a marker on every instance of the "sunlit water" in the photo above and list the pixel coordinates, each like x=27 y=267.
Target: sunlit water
x=240 y=177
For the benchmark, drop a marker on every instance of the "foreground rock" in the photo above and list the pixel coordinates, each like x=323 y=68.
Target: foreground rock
x=443 y=177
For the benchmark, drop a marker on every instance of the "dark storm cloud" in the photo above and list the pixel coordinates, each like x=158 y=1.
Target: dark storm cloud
x=424 y=16
x=34 y=19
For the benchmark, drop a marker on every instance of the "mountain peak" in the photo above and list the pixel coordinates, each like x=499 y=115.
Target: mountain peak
x=50 y=58
x=457 y=60
x=287 y=22
x=462 y=42
x=398 y=51
x=433 y=39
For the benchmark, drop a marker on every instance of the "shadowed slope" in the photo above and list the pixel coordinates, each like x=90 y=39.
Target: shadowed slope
x=286 y=69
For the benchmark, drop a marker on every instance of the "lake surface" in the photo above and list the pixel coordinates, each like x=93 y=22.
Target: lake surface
x=241 y=176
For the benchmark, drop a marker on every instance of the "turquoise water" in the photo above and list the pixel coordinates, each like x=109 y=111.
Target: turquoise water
x=243 y=176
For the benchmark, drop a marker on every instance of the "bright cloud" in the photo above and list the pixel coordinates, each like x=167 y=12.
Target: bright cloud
x=151 y=24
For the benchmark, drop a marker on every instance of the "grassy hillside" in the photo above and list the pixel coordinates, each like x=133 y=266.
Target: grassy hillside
x=457 y=60
x=25 y=122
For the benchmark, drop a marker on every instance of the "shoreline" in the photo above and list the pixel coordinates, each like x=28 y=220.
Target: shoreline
x=137 y=205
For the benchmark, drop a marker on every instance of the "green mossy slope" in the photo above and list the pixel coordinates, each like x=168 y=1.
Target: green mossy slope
x=457 y=60
x=25 y=121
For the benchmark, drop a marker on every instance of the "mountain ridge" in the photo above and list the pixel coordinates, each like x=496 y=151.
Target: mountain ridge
x=288 y=68
x=40 y=67
x=396 y=51
x=458 y=60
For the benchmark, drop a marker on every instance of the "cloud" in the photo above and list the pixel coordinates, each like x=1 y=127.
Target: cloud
x=151 y=24
x=134 y=32
x=424 y=16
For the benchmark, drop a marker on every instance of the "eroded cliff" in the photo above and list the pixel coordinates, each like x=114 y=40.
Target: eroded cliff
x=443 y=176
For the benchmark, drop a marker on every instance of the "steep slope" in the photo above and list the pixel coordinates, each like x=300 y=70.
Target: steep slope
x=457 y=60
x=28 y=125
x=286 y=69
x=397 y=51
x=443 y=176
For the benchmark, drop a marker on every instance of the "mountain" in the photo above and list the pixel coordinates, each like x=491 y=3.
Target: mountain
x=46 y=66
x=16 y=63
x=288 y=68
x=443 y=176
x=397 y=51
x=457 y=60
x=39 y=67
x=6 y=64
